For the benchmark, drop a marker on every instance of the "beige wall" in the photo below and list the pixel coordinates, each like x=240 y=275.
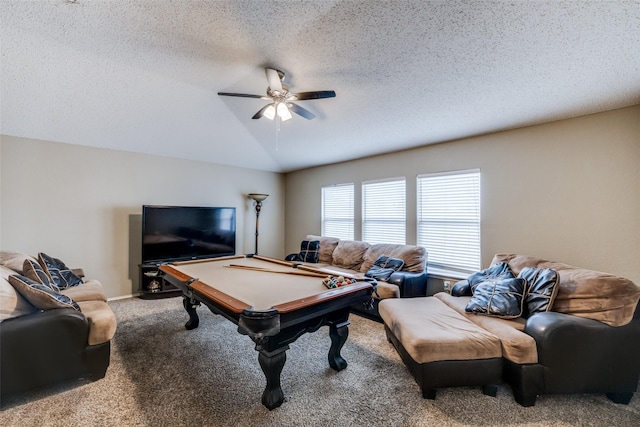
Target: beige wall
x=568 y=190
x=83 y=205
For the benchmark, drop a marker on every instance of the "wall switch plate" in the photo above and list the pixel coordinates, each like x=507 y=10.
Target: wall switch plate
x=447 y=286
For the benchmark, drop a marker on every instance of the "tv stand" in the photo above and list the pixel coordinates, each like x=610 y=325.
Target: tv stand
x=152 y=285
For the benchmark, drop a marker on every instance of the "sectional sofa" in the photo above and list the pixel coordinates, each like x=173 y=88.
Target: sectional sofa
x=579 y=332
x=355 y=258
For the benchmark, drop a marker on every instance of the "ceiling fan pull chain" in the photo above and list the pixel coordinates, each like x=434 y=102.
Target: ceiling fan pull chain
x=277 y=132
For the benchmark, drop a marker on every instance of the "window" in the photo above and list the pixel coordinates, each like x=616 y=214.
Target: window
x=384 y=211
x=337 y=211
x=449 y=219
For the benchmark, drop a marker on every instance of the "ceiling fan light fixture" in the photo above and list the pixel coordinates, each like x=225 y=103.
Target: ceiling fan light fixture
x=270 y=112
x=283 y=112
x=279 y=96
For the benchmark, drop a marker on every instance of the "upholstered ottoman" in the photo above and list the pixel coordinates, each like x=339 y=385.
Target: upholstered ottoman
x=441 y=347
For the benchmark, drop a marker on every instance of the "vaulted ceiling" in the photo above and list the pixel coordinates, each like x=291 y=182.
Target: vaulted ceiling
x=143 y=75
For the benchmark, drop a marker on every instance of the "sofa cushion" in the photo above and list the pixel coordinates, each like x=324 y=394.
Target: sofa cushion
x=495 y=271
x=414 y=257
x=91 y=290
x=12 y=303
x=431 y=331
x=58 y=272
x=327 y=246
x=500 y=297
x=349 y=254
x=14 y=260
x=384 y=267
x=585 y=293
x=35 y=272
x=541 y=289
x=517 y=346
x=386 y=290
x=42 y=297
x=309 y=251
x=102 y=321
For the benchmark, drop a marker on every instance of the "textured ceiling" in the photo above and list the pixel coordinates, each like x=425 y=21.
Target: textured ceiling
x=143 y=75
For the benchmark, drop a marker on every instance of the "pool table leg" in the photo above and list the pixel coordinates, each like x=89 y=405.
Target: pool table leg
x=272 y=363
x=190 y=305
x=338 y=333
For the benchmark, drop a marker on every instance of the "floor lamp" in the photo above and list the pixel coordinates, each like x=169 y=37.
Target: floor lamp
x=258 y=199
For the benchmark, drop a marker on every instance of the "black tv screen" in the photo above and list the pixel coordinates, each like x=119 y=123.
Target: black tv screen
x=172 y=233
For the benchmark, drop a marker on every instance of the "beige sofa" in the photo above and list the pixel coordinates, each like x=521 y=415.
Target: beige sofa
x=354 y=258
x=43 y=345
x=587 y=342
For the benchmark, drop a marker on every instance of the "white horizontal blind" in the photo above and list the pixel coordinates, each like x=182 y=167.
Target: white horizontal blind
x=337 y=211
x=384 y=211
x=449 y=219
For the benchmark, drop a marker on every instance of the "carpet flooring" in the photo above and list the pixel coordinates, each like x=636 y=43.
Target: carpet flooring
x=164 y=375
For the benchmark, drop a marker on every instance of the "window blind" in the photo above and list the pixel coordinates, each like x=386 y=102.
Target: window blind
x=449 y=219
x=337 y=211
x=384 y=211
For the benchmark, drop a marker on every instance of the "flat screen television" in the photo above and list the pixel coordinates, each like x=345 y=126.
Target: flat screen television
x=174 y=233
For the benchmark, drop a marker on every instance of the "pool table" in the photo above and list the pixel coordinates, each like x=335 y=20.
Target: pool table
x=272 y=302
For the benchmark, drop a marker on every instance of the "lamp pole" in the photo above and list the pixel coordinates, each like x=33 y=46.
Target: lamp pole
x=258 y=199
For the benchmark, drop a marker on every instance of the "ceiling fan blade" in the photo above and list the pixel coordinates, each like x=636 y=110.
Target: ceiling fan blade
x=273 y=77
x=260 y=113
x=319 y=94
x=301 y=111
x=242 y=95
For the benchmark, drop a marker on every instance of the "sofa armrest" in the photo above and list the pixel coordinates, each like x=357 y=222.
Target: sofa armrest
x=63 y=326
x=461 y=289
x=581 y=354
x=42 y=348
x=553 y=330
x=411 y=284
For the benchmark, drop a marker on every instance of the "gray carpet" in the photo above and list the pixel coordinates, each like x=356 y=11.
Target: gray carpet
x=164 y=375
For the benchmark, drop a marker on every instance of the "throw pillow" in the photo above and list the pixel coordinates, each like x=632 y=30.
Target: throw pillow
x=39 y=295
x=310 y=251
x=327 y=246
x=349 y=254
x=384 y=267
x=542 y=288
x=496 y=271
x=12 y=303
x=13 y=260
x=59 y=273
x=502 y=297
x=32 y=270
x=293 y=257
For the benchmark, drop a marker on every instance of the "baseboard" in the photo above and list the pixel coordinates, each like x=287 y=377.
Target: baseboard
x=124 y=297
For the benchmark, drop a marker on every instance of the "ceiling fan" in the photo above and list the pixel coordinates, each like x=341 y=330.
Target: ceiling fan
x=281 y=104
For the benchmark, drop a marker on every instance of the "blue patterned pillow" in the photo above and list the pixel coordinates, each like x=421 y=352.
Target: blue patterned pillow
x=39 y=295
x=384 y=267
x=32 y=270
x=496 y=271
x=501 y=297
x=59 y=273
x=309 y=251
x=542 y=288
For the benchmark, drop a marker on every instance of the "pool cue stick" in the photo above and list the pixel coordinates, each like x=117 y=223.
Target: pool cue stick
x=267 y=270
x=195 y=261
x=274 y=260
x=308 y=268
x=326 y=272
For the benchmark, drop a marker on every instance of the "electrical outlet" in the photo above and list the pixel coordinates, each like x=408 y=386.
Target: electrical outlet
x=447 y=286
